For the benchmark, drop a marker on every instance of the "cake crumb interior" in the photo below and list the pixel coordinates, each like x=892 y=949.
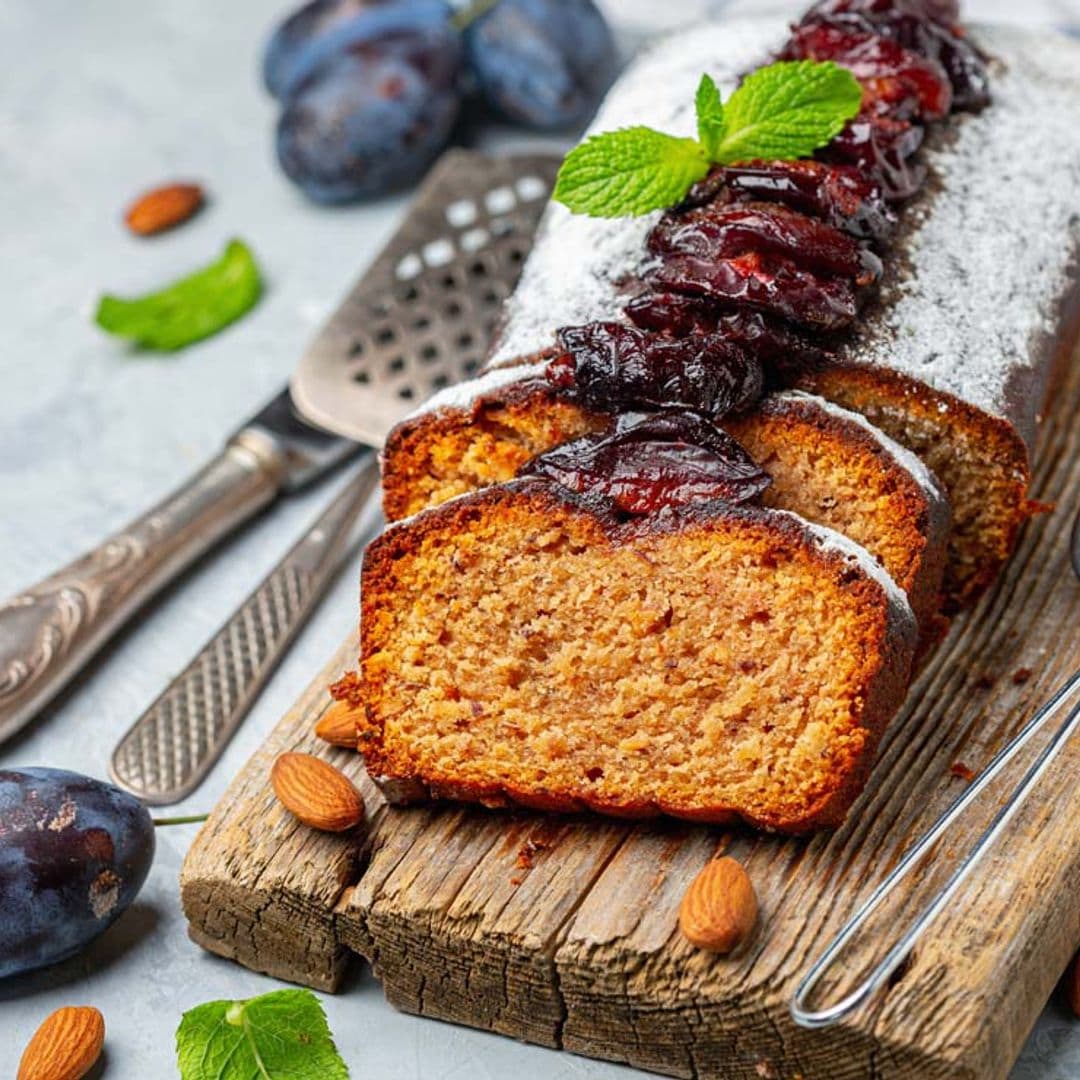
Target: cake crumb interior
x=691 y=669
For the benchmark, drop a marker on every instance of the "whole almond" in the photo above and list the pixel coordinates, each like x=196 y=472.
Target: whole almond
x=1072 y=985
x=163 y=208
x=317 y=793
x=66 y=1046
x=338 y=725
x=720 y=908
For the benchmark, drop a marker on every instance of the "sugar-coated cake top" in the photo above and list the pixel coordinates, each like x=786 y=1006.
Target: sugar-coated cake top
x=986 y=255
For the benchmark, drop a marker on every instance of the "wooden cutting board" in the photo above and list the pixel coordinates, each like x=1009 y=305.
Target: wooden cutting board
x=562 y=930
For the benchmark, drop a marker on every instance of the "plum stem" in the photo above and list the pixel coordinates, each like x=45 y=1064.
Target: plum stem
x=187 y=819
x=467 y=15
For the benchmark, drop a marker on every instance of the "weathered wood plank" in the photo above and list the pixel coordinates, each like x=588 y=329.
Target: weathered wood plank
x=562 y=930
x=257 y=886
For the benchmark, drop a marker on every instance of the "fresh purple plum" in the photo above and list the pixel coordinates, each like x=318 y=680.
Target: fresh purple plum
x=74 y=853
x=372 y=118
x=322 y=28
x=542 y=63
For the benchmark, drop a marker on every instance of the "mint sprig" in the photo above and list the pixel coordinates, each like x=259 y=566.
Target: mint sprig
x=190 y=309
x=782 y=112
x=619 y=172
x=710 y=117
x=282 y=1035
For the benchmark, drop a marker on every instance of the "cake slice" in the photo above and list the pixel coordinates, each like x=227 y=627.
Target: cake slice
x=979 y=294
x=827 y=464
x=522 y=645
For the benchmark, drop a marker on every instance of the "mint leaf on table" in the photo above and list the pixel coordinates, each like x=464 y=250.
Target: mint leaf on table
x=628 y=172
x=782 y=112
x=190 y=309
x=787 y=110
x=710 y=116
x=282 y=1035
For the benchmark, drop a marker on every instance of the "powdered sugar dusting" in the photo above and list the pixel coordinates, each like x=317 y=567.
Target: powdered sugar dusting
x=461 y=395
x=984 y=263
x=993 y=253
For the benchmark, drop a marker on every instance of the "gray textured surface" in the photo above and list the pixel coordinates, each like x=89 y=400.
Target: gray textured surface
x=96 y=102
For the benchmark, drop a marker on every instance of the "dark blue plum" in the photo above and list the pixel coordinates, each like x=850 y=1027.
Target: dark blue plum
x=74 y=853
x=320 y=29
x=542 y=63
x=372 y=118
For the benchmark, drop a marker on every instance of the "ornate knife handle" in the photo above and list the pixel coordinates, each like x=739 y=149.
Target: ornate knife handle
x=169 y=750
x=48 y=632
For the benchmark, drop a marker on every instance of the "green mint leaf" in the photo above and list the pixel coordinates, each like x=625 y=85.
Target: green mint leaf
x=628 y=172
x=190 y=309
x=282 y=1035
x=710 y=116
x=787 y=110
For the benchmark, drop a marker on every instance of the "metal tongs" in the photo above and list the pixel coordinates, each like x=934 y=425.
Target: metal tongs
x=825 y=1016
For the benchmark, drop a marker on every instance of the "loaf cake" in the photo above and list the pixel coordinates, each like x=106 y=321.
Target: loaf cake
x=979 y=292
x=671 y=552
x=826 y=463
x=521 y=645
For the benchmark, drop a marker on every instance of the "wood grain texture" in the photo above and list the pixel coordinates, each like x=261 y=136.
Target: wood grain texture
x=563 y=931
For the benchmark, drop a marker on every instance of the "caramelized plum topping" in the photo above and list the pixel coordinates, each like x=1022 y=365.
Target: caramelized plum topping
x=720 y=232
x=768 y=283
x=674 y=314
x=774 y=343
x=839 y=195
x=880 y=147
x=653 y=461
x=614 y=366
x=889 y=73
x=923 y=26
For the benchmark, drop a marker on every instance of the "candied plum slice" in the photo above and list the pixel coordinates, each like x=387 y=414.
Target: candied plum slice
x=927 y=28
x=770 y=340
x=768 y=283
x=880 y=147
x=723 y=232
x=649 y=462
x=946 y=12
x=839 y=195
x=890 y=74
x=673 y=313
x=611 y=365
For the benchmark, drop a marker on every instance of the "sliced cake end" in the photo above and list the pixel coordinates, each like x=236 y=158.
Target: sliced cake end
x=710 y=662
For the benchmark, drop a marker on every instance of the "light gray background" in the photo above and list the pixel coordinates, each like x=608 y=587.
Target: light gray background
x=97 y=101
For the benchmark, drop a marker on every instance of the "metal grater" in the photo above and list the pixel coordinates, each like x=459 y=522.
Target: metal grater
x=423 y=316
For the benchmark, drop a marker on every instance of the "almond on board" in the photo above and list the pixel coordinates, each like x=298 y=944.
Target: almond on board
x=720 y=908
x=317 y=793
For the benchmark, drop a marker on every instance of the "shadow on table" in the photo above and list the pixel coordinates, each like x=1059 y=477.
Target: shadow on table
x=132 y=928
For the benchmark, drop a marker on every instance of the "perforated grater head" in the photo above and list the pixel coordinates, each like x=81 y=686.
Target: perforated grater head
x=422 y=316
